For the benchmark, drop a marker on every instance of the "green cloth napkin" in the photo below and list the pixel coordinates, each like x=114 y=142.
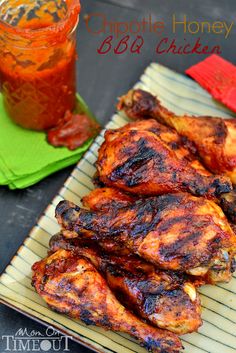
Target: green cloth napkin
x=25 y=155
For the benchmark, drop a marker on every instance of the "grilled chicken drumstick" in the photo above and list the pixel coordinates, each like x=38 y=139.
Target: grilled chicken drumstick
x=147 y=158
x=71 y=285
x=214 y=138
x=99 y=199
x=58 y=241
x=173 y=231
x=104 y=198
x=166 y=299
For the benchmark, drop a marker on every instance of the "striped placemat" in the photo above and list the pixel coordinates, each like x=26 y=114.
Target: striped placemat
x=218 y=333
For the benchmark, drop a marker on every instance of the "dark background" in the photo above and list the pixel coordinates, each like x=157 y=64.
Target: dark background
x=101 y=79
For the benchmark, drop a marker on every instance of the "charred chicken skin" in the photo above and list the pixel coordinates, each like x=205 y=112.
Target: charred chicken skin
x=183 y=148
x=96 y=200
x=99 y=199
x=146 y=158
x=214 y=138
x=70 y=284
x=71 y=242
x=166 y=299
x=228 y=205
x=104 y=198
x=174 y=231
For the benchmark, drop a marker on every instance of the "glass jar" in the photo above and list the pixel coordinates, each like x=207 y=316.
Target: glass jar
x=37 y=60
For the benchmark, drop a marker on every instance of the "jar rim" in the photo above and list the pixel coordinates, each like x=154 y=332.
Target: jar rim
x=65 y=25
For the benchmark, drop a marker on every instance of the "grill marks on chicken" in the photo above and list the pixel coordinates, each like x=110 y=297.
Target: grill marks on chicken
x=70 y=284
x=70 y=241
x=173 y=231
x=166 y=299
x=182 y=147
x=228 y=204
x=214 y=138
x=146 y=158
x=151 y=252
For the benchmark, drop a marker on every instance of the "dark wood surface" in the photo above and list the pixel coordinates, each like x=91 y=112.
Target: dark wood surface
x=101 y=79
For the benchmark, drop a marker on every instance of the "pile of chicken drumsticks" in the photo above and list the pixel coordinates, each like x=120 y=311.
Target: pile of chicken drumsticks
x=159 y=225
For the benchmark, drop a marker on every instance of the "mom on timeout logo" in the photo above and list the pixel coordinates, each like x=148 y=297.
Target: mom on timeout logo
x=25 y=340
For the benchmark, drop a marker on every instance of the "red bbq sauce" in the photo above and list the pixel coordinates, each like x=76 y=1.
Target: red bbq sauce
x=37 y=62
x=73 y=131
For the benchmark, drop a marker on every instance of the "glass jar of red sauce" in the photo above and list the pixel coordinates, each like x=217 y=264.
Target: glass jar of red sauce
x=37 y=60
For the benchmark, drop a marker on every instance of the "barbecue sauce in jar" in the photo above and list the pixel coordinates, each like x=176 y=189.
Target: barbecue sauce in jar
x=37 y=60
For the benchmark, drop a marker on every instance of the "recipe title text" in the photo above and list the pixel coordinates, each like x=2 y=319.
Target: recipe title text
x=124 y=36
